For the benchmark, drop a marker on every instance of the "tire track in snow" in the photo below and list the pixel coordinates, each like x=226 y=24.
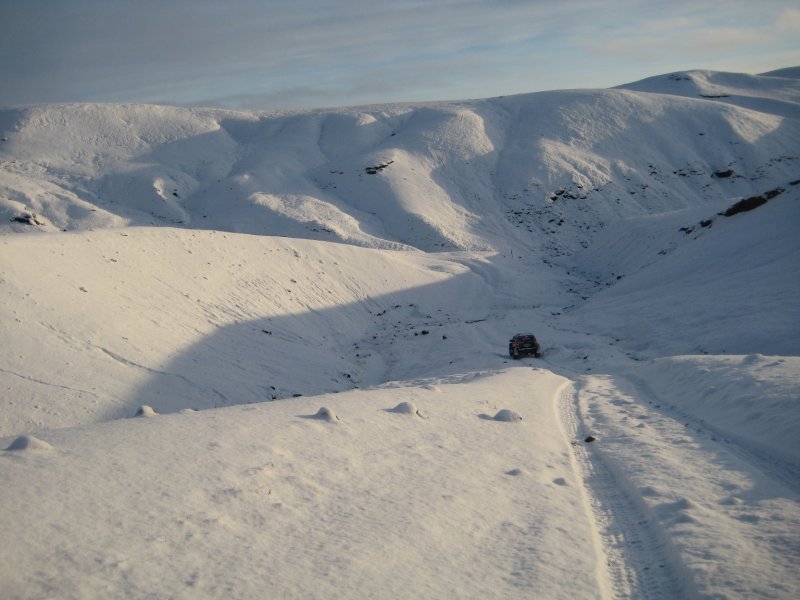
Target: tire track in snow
x=635 y=559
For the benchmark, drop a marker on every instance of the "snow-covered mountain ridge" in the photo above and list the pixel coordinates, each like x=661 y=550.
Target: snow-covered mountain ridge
x=366 y=266
x=455 y=173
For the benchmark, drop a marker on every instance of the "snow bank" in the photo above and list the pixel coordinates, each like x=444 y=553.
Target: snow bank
x=753 y=399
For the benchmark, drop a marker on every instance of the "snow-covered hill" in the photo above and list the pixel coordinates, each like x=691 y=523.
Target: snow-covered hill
x=373 y=262
x=435 y=177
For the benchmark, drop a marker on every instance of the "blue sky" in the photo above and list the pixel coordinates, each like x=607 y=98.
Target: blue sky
x=300 y=53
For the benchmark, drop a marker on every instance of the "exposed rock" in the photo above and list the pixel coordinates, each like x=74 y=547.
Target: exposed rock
x=378 y=168
x=27 y=219
x=751 y=202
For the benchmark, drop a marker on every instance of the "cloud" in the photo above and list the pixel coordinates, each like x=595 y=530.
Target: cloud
x=707 y=33
x=691 y=42
x=789 y=20
x=323 y=52
x=115 y=49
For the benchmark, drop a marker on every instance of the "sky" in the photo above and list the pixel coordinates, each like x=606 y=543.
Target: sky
x=312 y=53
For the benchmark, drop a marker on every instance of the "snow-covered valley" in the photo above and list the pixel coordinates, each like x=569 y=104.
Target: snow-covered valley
x=310 y=312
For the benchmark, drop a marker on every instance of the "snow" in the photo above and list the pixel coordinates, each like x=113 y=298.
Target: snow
x=507 y=415
x=28 y=442
x=312 y=311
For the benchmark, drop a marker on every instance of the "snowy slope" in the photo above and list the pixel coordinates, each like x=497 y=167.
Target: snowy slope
x=774 y=92
x=731 y=283
x=279 y=503
x=313 y=308
x=436 y=177
x=213 y=303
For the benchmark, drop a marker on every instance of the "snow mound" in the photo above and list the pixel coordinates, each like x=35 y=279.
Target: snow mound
x=28 y=442
x=407 y=408
x=508 y=416
x=326 y=414
x=146 y=411
x=680 y=511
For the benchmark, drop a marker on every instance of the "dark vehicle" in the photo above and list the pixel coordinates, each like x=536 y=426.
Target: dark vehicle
x=523 y=344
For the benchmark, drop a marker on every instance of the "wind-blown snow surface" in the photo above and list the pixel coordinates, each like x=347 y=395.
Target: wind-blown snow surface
x=364 y=268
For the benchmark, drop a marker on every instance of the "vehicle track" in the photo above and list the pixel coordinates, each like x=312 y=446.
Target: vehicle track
x=638 y=561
